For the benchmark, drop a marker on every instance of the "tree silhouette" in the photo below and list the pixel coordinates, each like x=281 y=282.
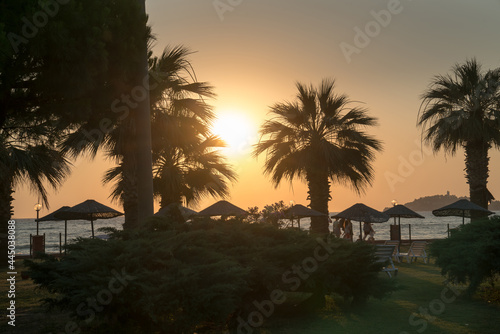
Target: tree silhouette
x=186 y=164
x=319 y=138
x=462 y=110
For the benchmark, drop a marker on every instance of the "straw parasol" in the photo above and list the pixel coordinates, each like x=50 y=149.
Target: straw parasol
x=300 y=211
x=52 y=217
x=88 y=210
x=461 y=208
x=402 y=211
x=186 y=212
x=362 y=213
x=222 y=208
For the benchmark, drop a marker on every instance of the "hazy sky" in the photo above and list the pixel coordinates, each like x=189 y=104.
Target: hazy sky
x=382 y=53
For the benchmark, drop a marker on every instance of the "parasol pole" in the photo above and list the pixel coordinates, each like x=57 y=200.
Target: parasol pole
x=92 y=224
x=399 y=233
x=463 y=217
x=65 y=234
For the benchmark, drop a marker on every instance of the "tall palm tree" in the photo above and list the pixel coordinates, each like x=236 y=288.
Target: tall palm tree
x=186 y=165
x=174 y=94
x=462 y=109
x=319 y=138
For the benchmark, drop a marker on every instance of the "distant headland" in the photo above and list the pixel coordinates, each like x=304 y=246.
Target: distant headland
x=429 y=203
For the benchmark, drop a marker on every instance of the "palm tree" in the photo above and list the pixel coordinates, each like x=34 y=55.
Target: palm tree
x=184 y=175
x=463 y=110
x=174 y=94
x=189 y=175
x=25 y=160
x=186 y=165
x=319 y=138
x=32 y=164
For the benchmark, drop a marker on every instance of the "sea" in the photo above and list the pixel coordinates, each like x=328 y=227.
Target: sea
x=431 y=227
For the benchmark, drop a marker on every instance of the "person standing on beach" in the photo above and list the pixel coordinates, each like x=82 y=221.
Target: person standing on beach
x=348 y=230
x=336 y=227
x=372 y=233
x=367 y=227
x=369 y=231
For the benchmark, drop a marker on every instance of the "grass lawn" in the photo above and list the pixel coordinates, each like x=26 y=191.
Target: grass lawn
x=30 y=315
x=424 y=304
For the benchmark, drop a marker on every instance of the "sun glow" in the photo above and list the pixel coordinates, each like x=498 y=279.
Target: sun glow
x=237 y=130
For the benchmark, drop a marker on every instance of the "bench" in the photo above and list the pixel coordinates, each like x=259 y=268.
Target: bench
x=395 y=255
x=417 y=249
x=384 y=253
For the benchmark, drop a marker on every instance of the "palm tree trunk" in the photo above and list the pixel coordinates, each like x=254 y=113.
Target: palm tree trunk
x=128 y=149
x=319 y=195
x=145 y=203
x=130 y=192
x=6 y=211
x=477 y=172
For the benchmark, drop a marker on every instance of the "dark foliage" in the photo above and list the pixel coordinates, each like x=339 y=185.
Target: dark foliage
x=181 y=276
x=471 y=254
x=62 y=68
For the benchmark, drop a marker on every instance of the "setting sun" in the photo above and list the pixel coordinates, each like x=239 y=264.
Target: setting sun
x=237 y=130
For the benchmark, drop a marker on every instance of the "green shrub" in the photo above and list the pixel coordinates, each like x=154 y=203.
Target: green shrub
x=471 y=254
x=181 y=276
x=271 y=214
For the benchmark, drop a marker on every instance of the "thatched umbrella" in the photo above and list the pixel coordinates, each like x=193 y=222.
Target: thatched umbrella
x=52 y=217
x=300 y=211
x=222 y=208
x=461 y=208
x=362 y=213
x=186 y=212
x=88 y=210
x=402 y=211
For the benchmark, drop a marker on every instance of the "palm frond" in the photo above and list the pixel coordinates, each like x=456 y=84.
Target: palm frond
x=457 y=107
x=321 y=131
x=36 y=165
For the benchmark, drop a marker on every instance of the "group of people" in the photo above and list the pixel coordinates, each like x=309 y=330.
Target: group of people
x=343 y=228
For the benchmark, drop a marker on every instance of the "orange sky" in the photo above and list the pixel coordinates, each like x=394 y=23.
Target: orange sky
x=253 y=52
